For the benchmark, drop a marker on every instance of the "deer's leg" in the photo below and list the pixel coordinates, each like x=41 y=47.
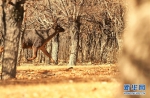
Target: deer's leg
x=47 y=54
x=34 y=55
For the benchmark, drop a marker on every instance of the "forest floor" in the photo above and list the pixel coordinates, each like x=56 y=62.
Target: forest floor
x=98 y=81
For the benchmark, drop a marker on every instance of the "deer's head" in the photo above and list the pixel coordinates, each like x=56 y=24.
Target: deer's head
x=57 y=27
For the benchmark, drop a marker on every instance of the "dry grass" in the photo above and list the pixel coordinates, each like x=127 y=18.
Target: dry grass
x=61 y=82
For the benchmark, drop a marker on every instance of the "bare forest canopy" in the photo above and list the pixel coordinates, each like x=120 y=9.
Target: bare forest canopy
x=100 y=27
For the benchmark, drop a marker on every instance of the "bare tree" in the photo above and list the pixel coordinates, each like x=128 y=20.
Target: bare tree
x=55 y=48
x=1 y=20
x=55 y=40
x=103 y=25
x=12 y=19
x=71 y=11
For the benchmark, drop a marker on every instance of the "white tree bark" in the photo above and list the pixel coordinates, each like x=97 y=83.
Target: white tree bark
x=74 y=30
x=55 y=48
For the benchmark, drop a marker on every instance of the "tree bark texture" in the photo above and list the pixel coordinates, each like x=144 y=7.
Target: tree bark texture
x=74 y=30
x=1 y=20
x=110 y=49
x=13 y=13
x=55 y=48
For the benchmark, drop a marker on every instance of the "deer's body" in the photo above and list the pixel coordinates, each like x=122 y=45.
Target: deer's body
x=34 y=38
x=37 y=39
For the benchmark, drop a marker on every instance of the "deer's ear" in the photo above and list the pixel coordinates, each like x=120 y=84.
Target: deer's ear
x=55 y=22
x=54 y=25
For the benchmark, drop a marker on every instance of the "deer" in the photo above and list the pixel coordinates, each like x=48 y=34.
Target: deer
x=37 y=39
x=134 y=63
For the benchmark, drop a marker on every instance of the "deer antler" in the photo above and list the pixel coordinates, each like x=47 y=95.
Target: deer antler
x=55 y=21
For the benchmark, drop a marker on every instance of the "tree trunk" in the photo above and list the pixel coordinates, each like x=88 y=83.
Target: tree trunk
x=74 y=30
x=49 y=49
x=13 y=14
x=55 y=47
x=1 y=22
x=110 y=49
